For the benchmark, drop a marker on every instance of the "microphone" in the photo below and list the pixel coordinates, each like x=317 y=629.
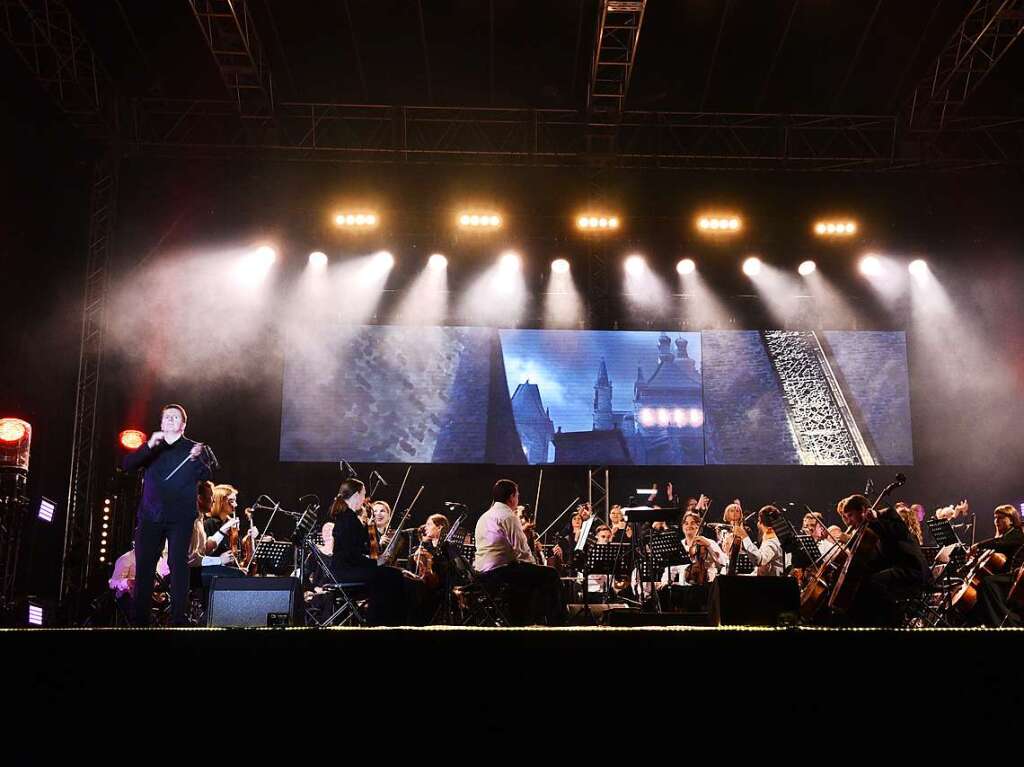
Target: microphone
x=869 y=487
x=455 y=505
x=211 y=458
x=344 y=465
x=376 y=474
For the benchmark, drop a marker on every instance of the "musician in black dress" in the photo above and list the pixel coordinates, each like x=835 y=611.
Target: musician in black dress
x=991 y=609
x=173 y=466
x=352 y=562
x=896 y=569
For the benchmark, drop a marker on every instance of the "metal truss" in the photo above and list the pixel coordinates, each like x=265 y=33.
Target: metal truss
x=46 y=38
x=229 y=30
x=820 y=419
x=598 y=490
x=79 y=523
x=988 y=31
x=615 y=44
x=746 y=141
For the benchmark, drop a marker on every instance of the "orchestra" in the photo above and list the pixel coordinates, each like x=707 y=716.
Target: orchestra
x=870 y=570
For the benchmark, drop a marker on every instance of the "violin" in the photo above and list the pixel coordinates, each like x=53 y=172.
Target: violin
x=985 y=563
x=242 y=551
x=700 y=555
x=371 y=529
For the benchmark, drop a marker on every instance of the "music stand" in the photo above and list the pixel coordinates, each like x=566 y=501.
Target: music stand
x=942 y=532
x=608 y=559
x=807 y=551
x=272 y=556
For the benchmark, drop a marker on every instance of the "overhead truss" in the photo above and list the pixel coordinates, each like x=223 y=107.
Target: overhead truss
x=230 y=32
x=989 y=30
x=362 y=133
x=615 y=45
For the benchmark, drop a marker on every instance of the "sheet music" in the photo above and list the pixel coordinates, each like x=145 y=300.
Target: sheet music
x=584 y=533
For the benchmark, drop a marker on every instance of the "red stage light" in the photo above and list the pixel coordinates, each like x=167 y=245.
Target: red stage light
x=12 y=429
x=132 y=439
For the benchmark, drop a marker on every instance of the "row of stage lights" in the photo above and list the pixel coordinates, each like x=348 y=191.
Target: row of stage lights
x=870 y=265
x=597 y=222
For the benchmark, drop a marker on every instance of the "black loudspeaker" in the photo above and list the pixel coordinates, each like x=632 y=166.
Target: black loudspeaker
x=738 y=600
x=254 y=602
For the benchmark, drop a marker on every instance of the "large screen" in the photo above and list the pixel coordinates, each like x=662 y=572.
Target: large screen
x=485 y=395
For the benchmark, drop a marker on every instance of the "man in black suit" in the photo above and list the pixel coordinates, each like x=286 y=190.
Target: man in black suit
x=172 y=469
x=991 y=609
x=897 y=571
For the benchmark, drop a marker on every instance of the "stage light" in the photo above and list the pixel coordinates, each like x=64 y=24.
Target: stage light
x=807 y=267
x=719 y=223
x=510 y=261
x=437 y=261
x=46 y=509
x=560 y=266
x=597 y=222
x=357 y=219
x=35 y=615
x=12 y=429
x=835 y=228
x=635 y=265
x=318 y=260
x=918 y=267
x=870 y=266
x=481 y=220
x=131 y=439
x=752 y=266
x=686 y=266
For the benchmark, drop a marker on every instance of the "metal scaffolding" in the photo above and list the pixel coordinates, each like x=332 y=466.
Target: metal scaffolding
x=78 y=526
x=230 y=32
x=46 y=38
x=989 y=30
x=542 y=137
x=615 y=44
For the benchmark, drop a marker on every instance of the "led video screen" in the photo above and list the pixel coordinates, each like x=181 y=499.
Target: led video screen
x=408 y=394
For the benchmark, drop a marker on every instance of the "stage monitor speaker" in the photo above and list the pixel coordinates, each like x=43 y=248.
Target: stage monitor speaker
x=254 y=602
x=738 y=600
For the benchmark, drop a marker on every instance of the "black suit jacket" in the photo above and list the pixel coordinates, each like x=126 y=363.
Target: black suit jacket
x=897 y=545
x=167 y=500
x=1008 y=544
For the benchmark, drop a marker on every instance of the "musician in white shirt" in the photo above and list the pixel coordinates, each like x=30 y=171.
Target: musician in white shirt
x=768 y=557
x=503 y=556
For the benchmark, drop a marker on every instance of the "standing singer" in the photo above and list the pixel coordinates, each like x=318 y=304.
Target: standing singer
x=172 y=468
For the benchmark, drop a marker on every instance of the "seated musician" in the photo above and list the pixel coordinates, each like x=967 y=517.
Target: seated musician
x=732 y=515
x=621 y=531
x=768 y=556
x=220 y=519
x=561 y=555
x=388 y=605
x=992 y=608
x=532 y=538
x=430 y=558
x=896 y=569
x=814 y=526
x=122 y=580
x=381 y=513
x=716 y=558
x=503 y=556
x=209 y=553
x=909 y=517
x=598 y=582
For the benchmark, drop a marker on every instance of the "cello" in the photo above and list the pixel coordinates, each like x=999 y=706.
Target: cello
x=862 y=551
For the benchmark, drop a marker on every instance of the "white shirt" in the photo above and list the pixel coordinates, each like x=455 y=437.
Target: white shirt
x=676 y=574
x=768 y=558
x=500 y=539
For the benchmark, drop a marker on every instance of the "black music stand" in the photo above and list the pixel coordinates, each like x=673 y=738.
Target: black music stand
x=807 y=551
x=273 y=557
x=609 y=559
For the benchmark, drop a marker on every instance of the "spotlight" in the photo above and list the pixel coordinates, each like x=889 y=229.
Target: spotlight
x=383 y=259
x=719 y=224
x=686 y=266
x=870 y=266
x=479 y=220
x=35 y=615
x=46 y=509
x=318 y=260
x=635 y=265
x=510 y=261
x=560 y=266
x=437 y=261
x=807 y=267
x=131 y=439
x=12 y=429
x=752 y=266
x=918 y=267
x=357 y=219
x=266 y=255
x=835 y=228
x=597 y=221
